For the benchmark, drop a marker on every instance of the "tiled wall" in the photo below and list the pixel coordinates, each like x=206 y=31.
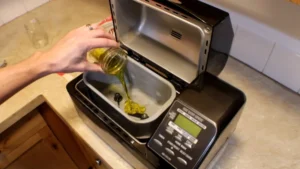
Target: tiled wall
x=274 y=58
x=11 y=9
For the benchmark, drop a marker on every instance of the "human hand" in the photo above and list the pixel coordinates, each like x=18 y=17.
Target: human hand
x=69 y=54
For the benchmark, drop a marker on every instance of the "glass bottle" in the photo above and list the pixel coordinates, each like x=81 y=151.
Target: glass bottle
x=112 y=60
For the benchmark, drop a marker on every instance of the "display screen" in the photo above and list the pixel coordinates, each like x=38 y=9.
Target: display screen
x=187 y=125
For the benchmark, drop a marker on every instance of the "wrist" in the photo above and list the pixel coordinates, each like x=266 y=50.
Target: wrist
x=38 y=65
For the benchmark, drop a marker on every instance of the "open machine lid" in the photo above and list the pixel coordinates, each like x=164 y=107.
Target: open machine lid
x=171 y=39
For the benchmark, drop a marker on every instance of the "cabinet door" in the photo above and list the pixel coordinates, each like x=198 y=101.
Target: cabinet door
x=30 y=144
x=65 y=136
x=91 y=156
x=46 y=154
x=19 y=138
x=41 y=140
x=87 y=158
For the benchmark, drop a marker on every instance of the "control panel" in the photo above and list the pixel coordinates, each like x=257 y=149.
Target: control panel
x=183 y=137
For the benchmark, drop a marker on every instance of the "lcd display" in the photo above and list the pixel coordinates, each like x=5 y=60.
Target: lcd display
x=187 y=125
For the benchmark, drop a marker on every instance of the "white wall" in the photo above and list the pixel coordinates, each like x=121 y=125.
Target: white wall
x=267 y=37
x=281 y=15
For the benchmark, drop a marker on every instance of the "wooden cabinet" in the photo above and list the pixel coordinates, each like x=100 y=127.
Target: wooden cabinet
x=91 y=156
x=41 y=140
x=47 y=153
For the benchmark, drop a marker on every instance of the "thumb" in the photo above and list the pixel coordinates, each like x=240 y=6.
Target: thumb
x=92 y=67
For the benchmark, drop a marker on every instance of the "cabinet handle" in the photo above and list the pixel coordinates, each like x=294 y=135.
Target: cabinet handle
x=98 y=162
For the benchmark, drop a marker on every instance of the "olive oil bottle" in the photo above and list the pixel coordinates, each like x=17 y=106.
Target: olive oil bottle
x=113 y=61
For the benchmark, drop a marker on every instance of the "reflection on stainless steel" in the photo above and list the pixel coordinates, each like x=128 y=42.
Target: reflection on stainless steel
x=168 y=39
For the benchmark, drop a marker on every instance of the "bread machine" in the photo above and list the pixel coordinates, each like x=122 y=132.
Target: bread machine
x=176 y=51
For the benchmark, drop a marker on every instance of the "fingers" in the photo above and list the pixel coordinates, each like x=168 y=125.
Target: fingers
x=95 y=33
x=86 y=66
x=101 y=42
x=99 y=33
x=96 y=25
x=92 y=67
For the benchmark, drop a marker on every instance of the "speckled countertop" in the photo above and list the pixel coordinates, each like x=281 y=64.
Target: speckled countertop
x=267 y=136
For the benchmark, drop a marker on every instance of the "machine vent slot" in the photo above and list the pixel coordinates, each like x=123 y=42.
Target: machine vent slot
x=175 y=12
x=176 y=34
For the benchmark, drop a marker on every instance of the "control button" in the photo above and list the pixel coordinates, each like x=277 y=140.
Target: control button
x=192 y=113
x=181 y=160
x=173 y=145
x=202 y=125
x=194 y=140
x=198 y=123
x=170 y=151
x=188 y=144
x=180 y=111
x=170 y=143
x=195 y=121
x=157 y=142
x=170 y=130
x=182 y=152
x=199 y=119
x=189 y=137
x=176 y=142
x=179 y=137
x=188 y=157
x=172 y=115
x=161 y=136
x=166 y=156
x=176 y=147
x=173 y=126
x=186 y=135
x=183 y=147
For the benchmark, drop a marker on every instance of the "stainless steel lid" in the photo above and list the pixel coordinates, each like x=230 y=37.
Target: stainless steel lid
x=168 y=38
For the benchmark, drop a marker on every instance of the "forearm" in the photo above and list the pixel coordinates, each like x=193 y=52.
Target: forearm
x=16 y=77
x=68 y=55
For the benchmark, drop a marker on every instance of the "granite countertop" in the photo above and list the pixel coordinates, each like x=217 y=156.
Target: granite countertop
x=268 y=133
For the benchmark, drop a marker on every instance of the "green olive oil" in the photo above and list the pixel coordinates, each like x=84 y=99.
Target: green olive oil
x=113 y=61
x=130 y=107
